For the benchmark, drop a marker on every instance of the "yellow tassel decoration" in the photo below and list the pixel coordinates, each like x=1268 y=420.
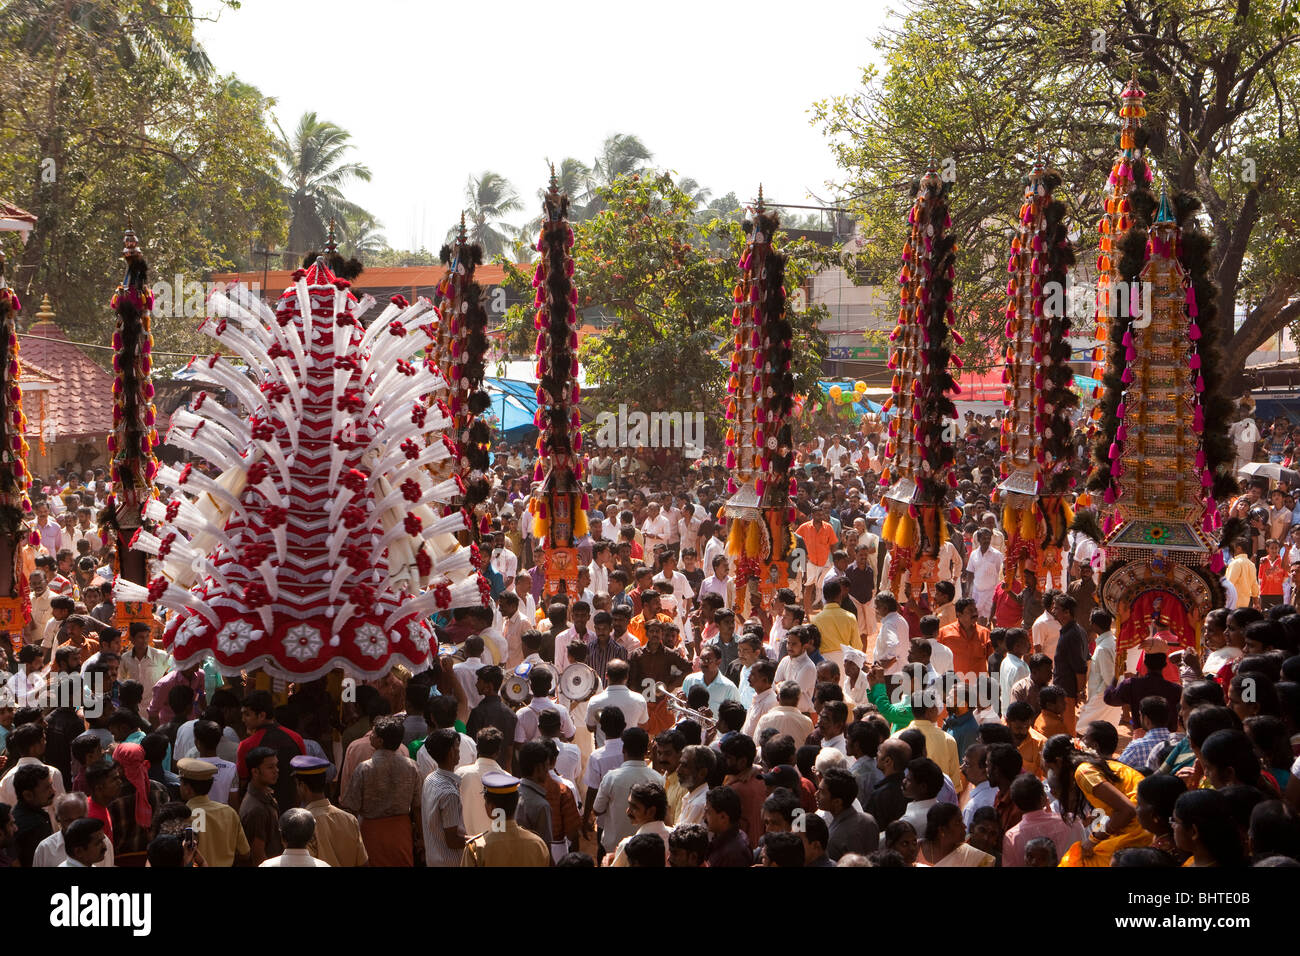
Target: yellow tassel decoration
x=906 y=532
x=890 y=529
x=579 y=523
x=1028 y=526
x=735 y=539
x=753 y=539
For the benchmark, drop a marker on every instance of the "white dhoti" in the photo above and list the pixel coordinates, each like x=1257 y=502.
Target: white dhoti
x=983 y=601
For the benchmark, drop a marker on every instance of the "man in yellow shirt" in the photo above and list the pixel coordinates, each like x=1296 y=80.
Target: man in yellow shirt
x=220 y=834
x=839 y=628
x=1241 y=575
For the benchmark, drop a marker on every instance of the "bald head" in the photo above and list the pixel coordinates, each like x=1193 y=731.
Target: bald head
x=896 y=752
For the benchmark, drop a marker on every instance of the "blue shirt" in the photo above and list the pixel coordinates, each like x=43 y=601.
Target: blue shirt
x=719 y=691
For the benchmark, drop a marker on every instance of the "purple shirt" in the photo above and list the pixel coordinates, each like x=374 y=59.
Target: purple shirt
x=160 y=712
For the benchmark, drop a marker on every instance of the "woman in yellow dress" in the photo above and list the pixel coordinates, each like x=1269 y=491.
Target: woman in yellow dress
x=1089 y=787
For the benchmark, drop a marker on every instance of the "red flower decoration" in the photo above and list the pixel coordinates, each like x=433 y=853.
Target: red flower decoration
x=413 y=525
x=362 y=595
x=400 y=301
x=173 y=509
x=411 y=490
x=354 y=516
x=274 y=516
x=355 y=480
x=442 y=595
x=257 y=472
x=410 y=449
x=157 y=588
x=397 y=328
x=255 y=553
x=256 y=595
x=423 y=563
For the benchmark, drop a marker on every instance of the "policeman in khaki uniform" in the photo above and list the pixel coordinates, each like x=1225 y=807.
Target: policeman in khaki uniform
x=513 y=845
x=220 y=834
x=338 y=836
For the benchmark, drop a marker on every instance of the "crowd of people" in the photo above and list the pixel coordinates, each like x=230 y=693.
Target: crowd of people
x=828 y=722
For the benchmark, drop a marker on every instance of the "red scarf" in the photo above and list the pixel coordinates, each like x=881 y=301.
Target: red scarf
x=135 y=768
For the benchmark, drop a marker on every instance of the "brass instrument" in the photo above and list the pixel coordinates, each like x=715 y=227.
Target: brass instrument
x=678 y=706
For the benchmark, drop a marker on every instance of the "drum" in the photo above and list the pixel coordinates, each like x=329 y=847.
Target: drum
x=516 y=691
x=578 y=682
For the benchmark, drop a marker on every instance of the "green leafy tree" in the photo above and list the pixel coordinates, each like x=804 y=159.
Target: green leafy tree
x=651 y=278
x=978 y=84
x=108 y=115
x=314 y=171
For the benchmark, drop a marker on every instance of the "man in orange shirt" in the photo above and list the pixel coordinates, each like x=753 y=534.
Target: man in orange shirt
x=969 y=642
x=649 y=612
x=1272 y=572
x=819 y=540
x=1027 y=740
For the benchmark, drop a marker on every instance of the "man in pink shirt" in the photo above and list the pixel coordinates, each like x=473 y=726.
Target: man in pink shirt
x=1036 y=820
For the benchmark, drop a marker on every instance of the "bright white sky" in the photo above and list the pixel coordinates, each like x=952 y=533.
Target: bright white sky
x=683 y=76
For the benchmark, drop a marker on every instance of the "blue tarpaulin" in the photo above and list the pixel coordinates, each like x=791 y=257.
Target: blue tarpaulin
x=513 y=404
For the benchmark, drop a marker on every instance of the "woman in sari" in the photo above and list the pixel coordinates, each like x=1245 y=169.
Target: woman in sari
x=945 y=840
x=1089 y=787
x=1204 y=828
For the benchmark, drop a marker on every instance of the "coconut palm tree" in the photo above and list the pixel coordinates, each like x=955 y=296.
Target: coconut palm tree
x=313 y=172
x=699 y=194
x=360 y=237
x=161 y=31
x=489 y=198
x=621 y=154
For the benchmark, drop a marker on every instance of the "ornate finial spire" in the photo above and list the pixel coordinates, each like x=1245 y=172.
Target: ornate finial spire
x=461 y=236
x=555 y=183
x=1165 y=213
x=46 y=311
x=130 y=244
x=331 y=246
x=758 y=206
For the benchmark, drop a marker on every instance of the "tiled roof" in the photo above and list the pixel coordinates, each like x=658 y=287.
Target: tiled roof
x=81 y=405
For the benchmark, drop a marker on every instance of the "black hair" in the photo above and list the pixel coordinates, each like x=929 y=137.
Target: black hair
x=1211 y=813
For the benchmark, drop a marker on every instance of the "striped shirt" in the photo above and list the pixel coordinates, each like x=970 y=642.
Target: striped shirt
x=598 y=657
x=442 y=809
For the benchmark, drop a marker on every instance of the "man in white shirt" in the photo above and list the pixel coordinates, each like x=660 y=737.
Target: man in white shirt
x=297 y=827
x=688 y=525
x=682 y=590
x=761 y=675
x=610 y=805
x=693 y=772
x=633 y=705
x=1244 y=434
x=489 y=742
x=654 y=530
x=786 y=716
x=144 y=663
x=1014 y=668
x=602 y=561
x=526 y=716
x=985 y=568
x=51 y=851
x=1046 y=629
x=894 y=636
x=503 y=560
x=719 y=582
x=1101 y=674
x=513 y=625
x=798 y=667
x=466 y=671
x=714 y=548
